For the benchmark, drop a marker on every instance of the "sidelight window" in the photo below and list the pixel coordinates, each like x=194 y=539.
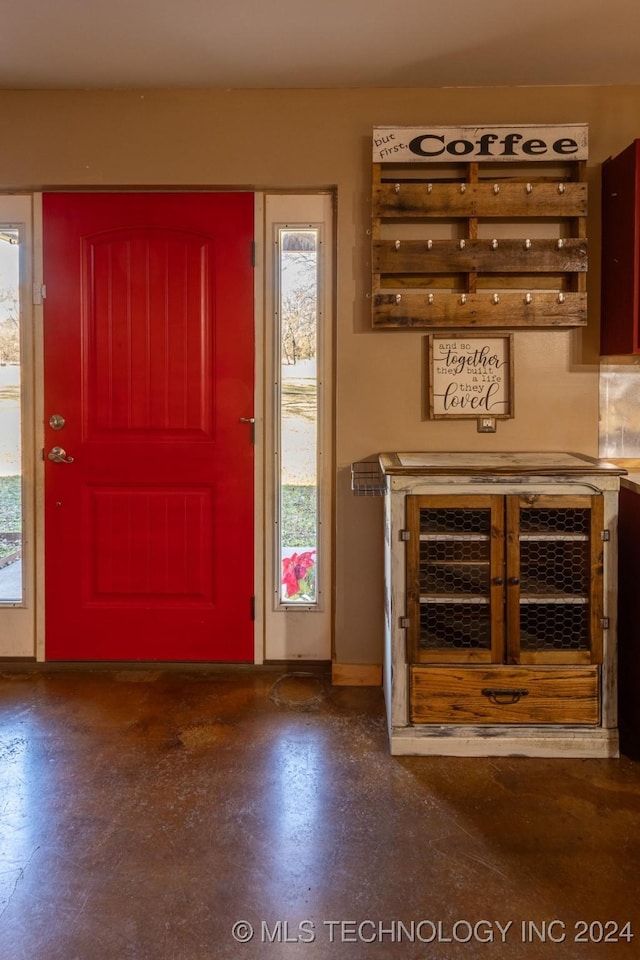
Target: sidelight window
x=298 y=397
x=10 y=418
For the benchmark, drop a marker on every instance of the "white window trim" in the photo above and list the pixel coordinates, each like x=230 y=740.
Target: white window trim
x=18 y=619
x=299 y=631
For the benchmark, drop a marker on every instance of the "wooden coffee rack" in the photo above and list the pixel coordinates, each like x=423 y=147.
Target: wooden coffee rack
x=469 y=244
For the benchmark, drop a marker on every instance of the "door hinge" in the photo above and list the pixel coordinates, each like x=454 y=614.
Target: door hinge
x=405 y=534
x=253 y=253
x=604 y=623
x=605 y=535
x=253 y=608
x=39 y=294
x=404 y=623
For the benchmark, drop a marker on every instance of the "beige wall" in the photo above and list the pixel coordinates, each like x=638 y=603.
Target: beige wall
x=309 y=139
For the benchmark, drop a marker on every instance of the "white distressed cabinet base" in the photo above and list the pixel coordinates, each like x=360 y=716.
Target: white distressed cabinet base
x=502 y=741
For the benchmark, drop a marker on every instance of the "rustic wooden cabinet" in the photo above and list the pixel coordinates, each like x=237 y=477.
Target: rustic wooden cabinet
x=500 y=636
x=629 y=610
x=620 y=292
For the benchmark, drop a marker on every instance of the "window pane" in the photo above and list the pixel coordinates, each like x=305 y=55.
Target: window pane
x=10 y=420
x=298 y=313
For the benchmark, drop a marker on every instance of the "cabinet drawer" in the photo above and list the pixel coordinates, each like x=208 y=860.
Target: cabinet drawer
x=504 y=695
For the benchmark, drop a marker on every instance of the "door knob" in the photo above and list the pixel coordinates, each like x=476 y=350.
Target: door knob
x=252 y=421
x=59 y=455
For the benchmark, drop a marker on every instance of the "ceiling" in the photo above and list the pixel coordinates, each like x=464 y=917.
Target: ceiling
x=82 y=44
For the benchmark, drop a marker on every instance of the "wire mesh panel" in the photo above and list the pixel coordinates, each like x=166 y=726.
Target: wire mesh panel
x=454 y=520
x=554 y=520
x=454 y=579
x=454 y=560
x=562 y=627
x=555 y=571
x=555 y=568
x=455 y=626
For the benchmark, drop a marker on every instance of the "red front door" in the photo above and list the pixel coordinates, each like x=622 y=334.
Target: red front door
x=149 y=358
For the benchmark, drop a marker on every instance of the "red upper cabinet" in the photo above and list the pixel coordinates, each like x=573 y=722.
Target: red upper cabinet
x=620 y=320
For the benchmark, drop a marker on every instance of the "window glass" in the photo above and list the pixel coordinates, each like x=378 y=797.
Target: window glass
x=10 y=419
x=298 y=318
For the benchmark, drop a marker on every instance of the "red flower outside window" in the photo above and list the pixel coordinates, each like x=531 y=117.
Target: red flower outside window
x=297 y=574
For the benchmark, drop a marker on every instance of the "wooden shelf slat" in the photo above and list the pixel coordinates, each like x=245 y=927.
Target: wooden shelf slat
x=417 y=200
x=479 y=310
x=509 y=256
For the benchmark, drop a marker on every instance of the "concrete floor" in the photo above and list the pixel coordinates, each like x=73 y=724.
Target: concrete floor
x=144 y=813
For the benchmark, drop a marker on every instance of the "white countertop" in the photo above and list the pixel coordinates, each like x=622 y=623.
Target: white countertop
x=471 y=462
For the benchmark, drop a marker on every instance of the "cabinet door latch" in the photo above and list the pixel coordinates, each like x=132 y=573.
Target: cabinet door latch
x=405 y=534
x=404 y=623
x=605 y=535
x=604 y=623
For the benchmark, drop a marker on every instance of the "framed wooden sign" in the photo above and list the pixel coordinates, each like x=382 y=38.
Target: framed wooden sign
x=471 y=375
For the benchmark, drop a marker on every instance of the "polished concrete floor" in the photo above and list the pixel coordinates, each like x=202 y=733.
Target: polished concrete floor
x=148 y=814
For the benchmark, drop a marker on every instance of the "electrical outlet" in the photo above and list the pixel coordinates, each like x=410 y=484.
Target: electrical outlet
x=486 y=424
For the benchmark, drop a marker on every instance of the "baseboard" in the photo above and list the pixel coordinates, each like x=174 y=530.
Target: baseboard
x=356 y=674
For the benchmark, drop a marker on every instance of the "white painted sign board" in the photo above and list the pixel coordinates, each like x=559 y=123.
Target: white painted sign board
x=501 y=144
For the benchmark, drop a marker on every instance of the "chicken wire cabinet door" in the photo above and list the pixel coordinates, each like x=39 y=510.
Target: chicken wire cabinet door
x=455 y=579
x=554 y=579
x=494 y=579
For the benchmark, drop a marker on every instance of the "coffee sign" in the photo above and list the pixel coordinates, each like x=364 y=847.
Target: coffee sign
x=481 y=144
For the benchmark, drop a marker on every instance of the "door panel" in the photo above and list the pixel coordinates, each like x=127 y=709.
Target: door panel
x=149 y=358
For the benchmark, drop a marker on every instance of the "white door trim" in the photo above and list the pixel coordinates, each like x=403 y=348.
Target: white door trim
x=17 y=619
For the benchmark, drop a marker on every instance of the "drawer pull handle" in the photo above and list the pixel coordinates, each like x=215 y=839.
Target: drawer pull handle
x=504 y=697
